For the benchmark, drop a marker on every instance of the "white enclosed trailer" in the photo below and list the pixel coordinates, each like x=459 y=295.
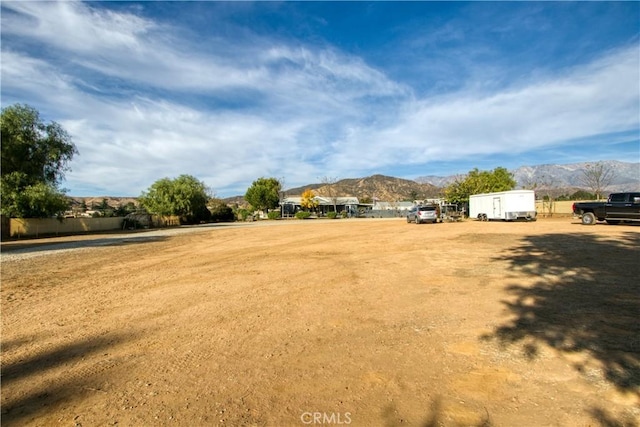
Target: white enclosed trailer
x=504 y=205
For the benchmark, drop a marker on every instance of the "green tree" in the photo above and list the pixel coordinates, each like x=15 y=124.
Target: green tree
x=35 y=156
x=124 y=210
x=159 y=199
x=264 y=194
x=477 y=182
x=39 y=200
x=105 y=209
x=220 y=211
x=582 y=195
x=184 y=196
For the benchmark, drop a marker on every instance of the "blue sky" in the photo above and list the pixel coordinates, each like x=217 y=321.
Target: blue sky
x=232 y=91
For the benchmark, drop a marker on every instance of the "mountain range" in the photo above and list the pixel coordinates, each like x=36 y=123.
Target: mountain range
x=556 y=179
x=626 y=176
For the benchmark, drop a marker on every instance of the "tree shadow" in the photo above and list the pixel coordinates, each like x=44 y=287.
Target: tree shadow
x=43 y=246
x=608 y=420
x=435 y=416
x=585 y=298
x=79 y=363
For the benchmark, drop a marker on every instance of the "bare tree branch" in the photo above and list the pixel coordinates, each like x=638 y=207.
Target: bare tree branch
x=597 y=177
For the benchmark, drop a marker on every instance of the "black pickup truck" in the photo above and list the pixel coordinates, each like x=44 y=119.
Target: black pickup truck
x=619 y=207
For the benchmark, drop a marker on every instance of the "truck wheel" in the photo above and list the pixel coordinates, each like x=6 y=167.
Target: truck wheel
x=418 y=220
x=408 y=220
x=588 y=218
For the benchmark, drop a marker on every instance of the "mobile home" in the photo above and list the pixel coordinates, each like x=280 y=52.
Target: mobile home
x=504 y=205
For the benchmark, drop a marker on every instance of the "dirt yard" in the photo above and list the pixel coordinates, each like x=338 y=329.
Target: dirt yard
x=347 y=322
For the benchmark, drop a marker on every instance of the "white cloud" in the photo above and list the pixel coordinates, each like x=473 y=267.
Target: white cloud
x=74 y=26
x=598 y=98
x=273 y=108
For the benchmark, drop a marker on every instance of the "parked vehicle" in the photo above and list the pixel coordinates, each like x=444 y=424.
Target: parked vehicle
x=619 y=207
x=450 y=213
x=504 y=205
x=425 y=213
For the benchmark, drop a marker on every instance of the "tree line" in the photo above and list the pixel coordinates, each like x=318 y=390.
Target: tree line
x=36 y=155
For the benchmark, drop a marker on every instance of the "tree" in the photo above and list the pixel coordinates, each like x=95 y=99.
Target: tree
x=308 y=199
x=160 y=198
x=545 y=187
x=29 y=146
x=104 y=209
x=184 y=196
x=597 y=177
x=264 y=193
x=477 y=182
x=35 y=156
x=366 y=200
x=329 y=188
x=124 y=210
x=220 y=211
x=582 y=195
x=39 y=200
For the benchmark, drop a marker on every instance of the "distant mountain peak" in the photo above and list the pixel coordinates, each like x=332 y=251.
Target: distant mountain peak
x=627 y=175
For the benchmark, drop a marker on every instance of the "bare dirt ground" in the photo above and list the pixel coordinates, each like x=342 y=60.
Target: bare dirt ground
x=345 y=322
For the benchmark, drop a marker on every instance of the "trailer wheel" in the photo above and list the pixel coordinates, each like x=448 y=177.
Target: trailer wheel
x=588 y=218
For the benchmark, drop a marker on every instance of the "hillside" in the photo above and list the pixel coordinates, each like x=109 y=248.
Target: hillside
x=114 y=202
x=561 y=179
x=380 y=187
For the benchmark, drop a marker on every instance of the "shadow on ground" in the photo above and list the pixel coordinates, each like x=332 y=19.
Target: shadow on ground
x=585 y=298
x=435 y=416
x=72 y=369
x=41 y=246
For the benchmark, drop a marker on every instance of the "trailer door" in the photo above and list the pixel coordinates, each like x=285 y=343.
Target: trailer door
x=497 y=207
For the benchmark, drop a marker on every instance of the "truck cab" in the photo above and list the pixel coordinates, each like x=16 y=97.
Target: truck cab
x=623 y=206
x=619 y=207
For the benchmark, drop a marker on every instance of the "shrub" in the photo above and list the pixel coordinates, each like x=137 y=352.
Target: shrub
x=332 y=215
x=243 y=214
x=303 y=215
x=273 y=215
x=220 y=212
x=131 y=224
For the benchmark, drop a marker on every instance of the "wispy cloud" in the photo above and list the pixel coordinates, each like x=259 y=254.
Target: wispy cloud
x=143 y=100
x=74 y=26
x=599 y=98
